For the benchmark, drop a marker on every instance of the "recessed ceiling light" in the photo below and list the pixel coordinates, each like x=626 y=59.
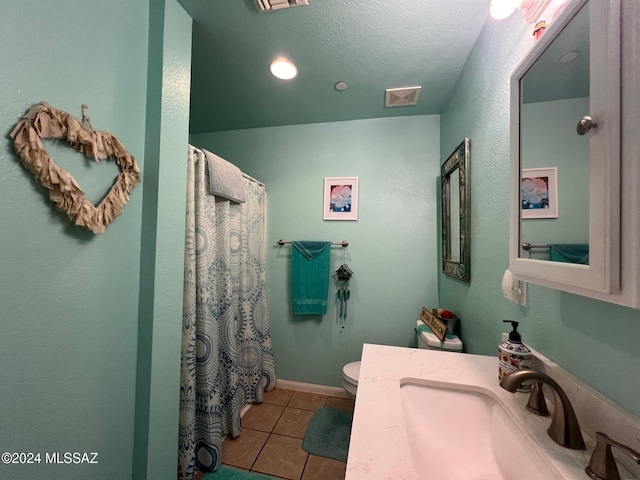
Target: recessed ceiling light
x=283 y=69
x=569 y=57
x=341 y=86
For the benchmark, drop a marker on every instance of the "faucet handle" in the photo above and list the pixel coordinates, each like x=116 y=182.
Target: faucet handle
x=602 y=465
x=537 y=403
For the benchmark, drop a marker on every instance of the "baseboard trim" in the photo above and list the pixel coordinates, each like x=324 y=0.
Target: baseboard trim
x=312 y=388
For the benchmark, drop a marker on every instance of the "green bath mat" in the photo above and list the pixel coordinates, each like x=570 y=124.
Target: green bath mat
x=228 y=473
x=328 y=434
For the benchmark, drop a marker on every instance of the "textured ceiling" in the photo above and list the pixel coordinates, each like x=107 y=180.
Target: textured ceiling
x=370 y=44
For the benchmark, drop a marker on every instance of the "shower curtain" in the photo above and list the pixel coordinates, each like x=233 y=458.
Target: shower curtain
x=227 y=361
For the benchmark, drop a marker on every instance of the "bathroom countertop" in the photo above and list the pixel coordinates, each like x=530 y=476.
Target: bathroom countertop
x=379 y=446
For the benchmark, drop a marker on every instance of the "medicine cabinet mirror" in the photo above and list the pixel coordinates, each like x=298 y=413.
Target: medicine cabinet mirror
x=456 y=214
x=565 y=153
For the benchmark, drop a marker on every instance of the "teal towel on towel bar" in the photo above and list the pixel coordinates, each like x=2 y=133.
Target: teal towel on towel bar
x=569 y=253
x=310 y=274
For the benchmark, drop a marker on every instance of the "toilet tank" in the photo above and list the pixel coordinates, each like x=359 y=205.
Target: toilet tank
x=427 y=339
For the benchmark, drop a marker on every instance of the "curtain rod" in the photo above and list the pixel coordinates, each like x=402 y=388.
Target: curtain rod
x=253 y=179
x=248 y=177
x=343 y=243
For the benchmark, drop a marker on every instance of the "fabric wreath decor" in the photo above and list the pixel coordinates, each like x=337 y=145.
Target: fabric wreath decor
x=44 y=121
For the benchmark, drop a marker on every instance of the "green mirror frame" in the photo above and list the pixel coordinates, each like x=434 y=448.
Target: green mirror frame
x=456 y=256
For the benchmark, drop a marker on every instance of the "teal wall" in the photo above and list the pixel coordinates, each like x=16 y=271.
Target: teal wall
x=595 y=341
x=162 y=242
x=393 y=244
x=70 y=300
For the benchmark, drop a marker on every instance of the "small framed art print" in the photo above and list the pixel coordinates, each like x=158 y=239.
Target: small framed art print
x=340 y=198
x=539 y=192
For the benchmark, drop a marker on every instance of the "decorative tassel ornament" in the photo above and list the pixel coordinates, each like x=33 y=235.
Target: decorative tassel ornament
x=343 y=274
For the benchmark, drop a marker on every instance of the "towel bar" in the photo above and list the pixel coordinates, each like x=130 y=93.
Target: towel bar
x=527 y=246
x=343 y=243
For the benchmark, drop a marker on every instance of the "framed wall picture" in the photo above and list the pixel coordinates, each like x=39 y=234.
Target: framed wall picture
x=340 y=198
x=539 y=192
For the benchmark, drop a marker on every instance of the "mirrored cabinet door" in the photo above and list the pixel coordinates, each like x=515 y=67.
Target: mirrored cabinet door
x=565 y=153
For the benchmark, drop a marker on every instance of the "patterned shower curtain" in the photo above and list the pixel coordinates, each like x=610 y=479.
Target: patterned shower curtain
x=227 y=361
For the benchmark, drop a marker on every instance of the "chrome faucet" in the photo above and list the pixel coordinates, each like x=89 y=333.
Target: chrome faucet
x=602 y=465
x=564 y=428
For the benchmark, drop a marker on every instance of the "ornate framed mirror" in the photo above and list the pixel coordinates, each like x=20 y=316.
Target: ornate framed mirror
x=456 y=214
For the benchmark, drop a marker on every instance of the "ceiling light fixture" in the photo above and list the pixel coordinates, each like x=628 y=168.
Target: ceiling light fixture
x=531 y=9
x=283 y=69
x=500 y=9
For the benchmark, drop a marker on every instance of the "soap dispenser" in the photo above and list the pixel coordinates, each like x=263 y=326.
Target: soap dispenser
x=514 y=355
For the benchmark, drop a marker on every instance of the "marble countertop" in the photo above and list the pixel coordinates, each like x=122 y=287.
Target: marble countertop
x=379 y=446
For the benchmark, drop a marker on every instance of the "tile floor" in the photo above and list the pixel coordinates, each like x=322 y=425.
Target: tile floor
x=272 y=433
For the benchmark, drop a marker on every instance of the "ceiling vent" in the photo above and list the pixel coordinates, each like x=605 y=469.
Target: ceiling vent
x=401 y=97
x=271 y=5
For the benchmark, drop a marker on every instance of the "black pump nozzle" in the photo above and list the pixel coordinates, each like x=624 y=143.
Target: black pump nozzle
x=514 y=335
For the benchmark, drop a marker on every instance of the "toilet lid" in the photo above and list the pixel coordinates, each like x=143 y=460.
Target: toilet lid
x=450 y=344
x=431 y=339
x=351 y=371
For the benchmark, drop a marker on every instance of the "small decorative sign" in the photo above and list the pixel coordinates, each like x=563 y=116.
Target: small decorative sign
x=436 y=325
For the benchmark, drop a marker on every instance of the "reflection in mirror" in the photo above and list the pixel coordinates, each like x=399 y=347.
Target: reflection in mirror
x=454 y=220
x=456 y=214
x=554 y=158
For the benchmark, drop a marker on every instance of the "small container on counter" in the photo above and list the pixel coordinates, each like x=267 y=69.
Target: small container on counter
x=514 y=355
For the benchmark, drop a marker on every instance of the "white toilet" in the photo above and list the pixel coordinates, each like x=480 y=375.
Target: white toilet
x=426 y=339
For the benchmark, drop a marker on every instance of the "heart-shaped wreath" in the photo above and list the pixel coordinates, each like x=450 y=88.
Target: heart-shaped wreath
x=44 y=121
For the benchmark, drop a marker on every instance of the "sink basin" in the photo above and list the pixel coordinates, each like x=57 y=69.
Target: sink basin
x=462 y=433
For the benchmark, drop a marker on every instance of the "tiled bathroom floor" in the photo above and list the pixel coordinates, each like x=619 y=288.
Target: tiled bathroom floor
x=272 y=433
